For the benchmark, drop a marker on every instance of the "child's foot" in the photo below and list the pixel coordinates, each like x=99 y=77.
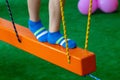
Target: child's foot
x=38 y=30
x=57 y=38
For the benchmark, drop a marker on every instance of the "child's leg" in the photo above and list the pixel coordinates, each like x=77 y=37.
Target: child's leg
x=35 y=24
x=54 y=36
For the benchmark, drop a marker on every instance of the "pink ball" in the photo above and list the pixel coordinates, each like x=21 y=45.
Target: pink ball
x=108 y=6
x=83 y=6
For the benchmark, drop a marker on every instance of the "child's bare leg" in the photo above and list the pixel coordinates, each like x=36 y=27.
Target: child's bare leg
x=54 y=36
x=54 y=15
x=35 y=25
x=33 y=8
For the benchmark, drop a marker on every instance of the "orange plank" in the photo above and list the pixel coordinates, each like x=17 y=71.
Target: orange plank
x=82 y=62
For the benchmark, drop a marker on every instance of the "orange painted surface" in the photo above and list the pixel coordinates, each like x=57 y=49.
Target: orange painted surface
x=82 y=62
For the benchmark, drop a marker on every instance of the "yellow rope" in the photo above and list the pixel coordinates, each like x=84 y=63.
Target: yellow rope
x=88 y=25
x=64 y=28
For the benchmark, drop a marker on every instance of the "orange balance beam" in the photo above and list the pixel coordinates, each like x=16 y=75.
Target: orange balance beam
x=82 y=62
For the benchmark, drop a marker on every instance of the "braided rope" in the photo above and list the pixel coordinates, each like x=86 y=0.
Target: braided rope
x=64 y=29
x=88 y=25
x=10 y=13
x=94 y=77
x=87 y=34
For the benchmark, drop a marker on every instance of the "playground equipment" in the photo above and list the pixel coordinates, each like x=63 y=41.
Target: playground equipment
x=79 y=61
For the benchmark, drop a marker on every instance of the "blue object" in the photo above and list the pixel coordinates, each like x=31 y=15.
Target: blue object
x=58 y=38
x=94 y=77
x=38 y=30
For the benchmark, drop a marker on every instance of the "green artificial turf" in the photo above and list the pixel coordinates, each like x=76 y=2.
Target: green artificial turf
x=104 y=41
